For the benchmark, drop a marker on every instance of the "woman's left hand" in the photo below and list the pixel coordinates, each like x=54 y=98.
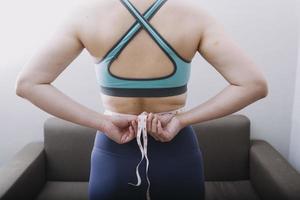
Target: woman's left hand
x=164 y=132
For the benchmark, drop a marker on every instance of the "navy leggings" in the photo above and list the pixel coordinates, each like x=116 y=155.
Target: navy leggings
x=175 y=169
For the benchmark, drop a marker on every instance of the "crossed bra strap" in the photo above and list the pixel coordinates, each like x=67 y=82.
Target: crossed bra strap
x=156 y=36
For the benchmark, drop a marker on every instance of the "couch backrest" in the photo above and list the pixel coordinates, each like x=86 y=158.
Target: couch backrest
x=224 y=143
x=68 y=147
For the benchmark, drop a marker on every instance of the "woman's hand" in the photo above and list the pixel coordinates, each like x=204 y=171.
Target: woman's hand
x=163 y=118
x=119 y=128
x=163 y=127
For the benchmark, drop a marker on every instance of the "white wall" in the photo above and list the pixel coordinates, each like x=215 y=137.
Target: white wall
x=265 y=29
x=294 y=155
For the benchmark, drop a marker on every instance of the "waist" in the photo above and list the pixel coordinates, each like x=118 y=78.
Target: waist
x=185 y=142
x=136 y=105
x=174 y=111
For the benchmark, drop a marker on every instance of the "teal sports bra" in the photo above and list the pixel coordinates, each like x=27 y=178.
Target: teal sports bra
x=172 y=84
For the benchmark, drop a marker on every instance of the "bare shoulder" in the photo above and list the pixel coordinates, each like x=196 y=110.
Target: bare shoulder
x=220 y=48
x=88 y=16
x=197 y=14
x=195 y=9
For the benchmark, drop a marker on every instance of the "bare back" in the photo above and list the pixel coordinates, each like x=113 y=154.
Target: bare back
x=106 y=21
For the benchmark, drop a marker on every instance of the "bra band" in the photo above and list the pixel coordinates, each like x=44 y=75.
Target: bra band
x=143 y=92
x=141 y=131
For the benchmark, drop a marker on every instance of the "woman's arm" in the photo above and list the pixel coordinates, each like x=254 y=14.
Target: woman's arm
x=34 y=81
x=246 y=82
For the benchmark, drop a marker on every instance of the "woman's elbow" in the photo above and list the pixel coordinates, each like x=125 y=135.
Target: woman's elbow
x=22 y=86
x=260 y=87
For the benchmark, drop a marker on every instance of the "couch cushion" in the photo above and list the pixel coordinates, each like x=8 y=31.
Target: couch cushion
x=230 y=190
x=68 y=148
x=234 y=190
x=225 y=144
x=59 y=190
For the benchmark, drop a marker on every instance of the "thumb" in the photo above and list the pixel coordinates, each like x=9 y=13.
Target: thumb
x=165 y=118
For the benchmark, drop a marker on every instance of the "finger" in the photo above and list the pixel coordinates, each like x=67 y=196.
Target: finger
x=123 y=138
x=160 y=131
x=149 y=121
x=134 y=124
x=159 y=134
x=153 y=135
x=128 y=135
x=131 y=133
x=131 y=118
x=165 y=118
x=148 y=125
x=154 y=124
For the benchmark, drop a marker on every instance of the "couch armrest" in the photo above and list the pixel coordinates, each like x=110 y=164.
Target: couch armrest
x=23 y=176
x=270 y=173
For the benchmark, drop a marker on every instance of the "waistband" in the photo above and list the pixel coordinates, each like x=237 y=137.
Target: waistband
x=141 y=131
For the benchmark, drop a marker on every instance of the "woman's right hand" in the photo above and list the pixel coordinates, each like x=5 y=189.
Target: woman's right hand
x=119 y=128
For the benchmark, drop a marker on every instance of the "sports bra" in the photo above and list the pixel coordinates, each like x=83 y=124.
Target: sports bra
x=169 y=85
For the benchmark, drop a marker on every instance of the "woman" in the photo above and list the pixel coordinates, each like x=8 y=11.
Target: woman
x=143 y=52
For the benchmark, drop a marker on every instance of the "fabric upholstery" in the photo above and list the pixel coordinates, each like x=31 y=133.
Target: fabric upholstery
x=64 y=190
x=230 y=190
x=24 y=175
x=225 y=146
x=68 y=147
x=271 y=174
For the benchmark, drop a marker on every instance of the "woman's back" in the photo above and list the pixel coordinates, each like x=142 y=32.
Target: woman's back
x=105 y=22
x=98 y=25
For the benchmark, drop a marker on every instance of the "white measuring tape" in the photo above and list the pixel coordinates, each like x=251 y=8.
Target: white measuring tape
x=142 y=130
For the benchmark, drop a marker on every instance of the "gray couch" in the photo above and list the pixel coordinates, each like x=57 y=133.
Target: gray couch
x=236 y=168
